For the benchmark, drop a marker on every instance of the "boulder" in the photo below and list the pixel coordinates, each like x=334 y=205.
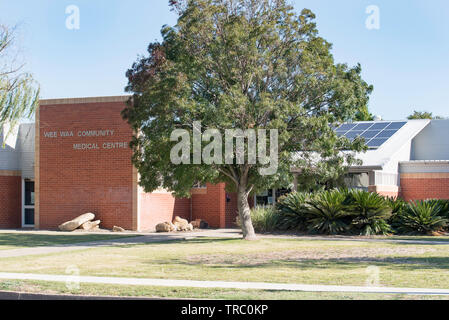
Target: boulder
x=163 y=227
x=173 y=228
x=199 y=224
x=196 y=224
x=181 y=224
x=118 y=229
x=77 y=222
x=90 y=225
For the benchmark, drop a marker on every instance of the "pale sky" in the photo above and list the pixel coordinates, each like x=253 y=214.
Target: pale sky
x=406 y=59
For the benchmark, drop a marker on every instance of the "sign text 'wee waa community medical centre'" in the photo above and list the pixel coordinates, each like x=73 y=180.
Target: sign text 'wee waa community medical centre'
x=89 y=134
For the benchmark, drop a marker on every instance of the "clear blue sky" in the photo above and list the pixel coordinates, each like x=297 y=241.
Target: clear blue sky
x=407 y=59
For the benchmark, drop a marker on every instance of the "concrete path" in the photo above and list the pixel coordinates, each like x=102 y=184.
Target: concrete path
x=143 y=238
x=89 y=245
x=221 y=284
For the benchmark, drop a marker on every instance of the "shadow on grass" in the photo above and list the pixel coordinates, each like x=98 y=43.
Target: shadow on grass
x=175 y=241
x=402 y=264
x=23 y=240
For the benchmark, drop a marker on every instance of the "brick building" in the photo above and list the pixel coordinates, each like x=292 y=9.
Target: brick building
x=75 y=159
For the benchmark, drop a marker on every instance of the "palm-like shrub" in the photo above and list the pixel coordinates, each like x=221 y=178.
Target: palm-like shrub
x=423 y=217
x=328 y=212
x=443 y=204
x=397 y=205
x=371 y=212
x=292 y=210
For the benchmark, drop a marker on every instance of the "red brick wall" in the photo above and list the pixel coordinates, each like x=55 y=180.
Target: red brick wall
x=211 y=205
x=73 y=182
x=424 y=188
x=231 y=209
x=161 y=207
x=385 y=191
x=10 y=202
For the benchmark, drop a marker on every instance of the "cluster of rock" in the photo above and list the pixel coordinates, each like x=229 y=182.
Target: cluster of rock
x=85 y=222
x=180 y=224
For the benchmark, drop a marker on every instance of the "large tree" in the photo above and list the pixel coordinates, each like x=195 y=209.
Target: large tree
x=423 y=115
x=19 y=92
x=242 y=64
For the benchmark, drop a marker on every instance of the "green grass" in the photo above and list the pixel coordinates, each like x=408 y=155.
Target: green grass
x=419 y=238
x=18 y=240
x=195 y=293
x=268 y=260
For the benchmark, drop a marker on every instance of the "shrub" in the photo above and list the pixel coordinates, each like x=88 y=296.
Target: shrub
x=397 y=205
x=328 y=212
x=264 y=218
x=444 y=206
x=422 y=217
x=292 y=210
x=371 y=213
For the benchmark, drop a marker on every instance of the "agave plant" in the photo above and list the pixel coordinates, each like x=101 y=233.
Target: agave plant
x=443 y=204
x=371 y=213
x=292 y=210
x=328 y=212
x=423 y=217
x=397 y=205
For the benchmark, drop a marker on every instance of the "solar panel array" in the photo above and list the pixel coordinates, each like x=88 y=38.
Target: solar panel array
x=374 y=133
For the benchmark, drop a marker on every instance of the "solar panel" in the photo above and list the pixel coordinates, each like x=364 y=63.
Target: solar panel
x=374 y=133
x=369 y=134
x=346 y=127
x=377 y=142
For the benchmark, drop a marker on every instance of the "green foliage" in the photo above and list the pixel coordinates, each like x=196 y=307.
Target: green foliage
x=239 y=65
x=363 y=114
x=264 y=218
x=328 y=212
x=19 y=93
x=423 y=115
x=422 y=217
x=443 y=205
x=292 y=210
x=396 y=205
x=371 y=213
x=341 y=211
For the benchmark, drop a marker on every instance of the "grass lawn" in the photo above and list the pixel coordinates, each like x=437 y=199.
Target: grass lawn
x=12 y=240
x=267 y=260
x=196 y=293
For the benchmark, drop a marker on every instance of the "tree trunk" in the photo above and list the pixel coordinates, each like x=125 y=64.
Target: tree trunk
x=245 y=213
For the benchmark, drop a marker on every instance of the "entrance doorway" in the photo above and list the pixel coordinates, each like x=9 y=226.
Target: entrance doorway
x=27 y=203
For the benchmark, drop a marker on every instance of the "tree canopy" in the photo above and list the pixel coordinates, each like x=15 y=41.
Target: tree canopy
x=19 y=92
x=423 y=115
x=242 y=64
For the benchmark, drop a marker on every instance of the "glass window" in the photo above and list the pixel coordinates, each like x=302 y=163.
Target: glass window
x=29 y=193
x=29 y=217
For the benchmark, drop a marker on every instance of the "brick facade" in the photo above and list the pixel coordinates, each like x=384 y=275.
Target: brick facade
x=423 y=186
x=231 y=209
x=10 y=202
x=160 y=207
x=210 y=205
x=78 y=172
x=386 y=191
x=73 y=181
x=83 y=164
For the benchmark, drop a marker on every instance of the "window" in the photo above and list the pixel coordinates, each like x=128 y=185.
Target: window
x=199 y=185
x=28 y=204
